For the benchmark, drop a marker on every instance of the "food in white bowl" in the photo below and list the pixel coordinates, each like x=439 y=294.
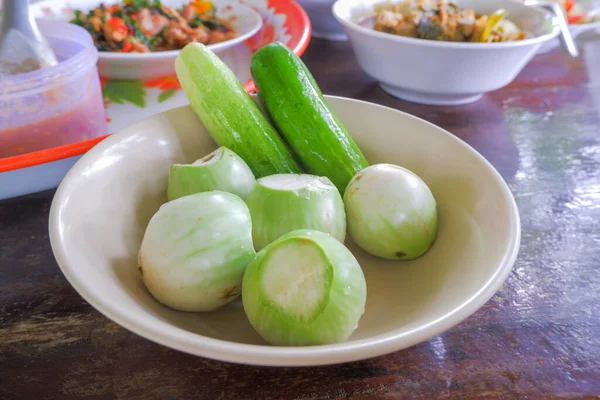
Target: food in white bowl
x=148 y=65
x=444 y=21
x=315 y=299
x=442 y=72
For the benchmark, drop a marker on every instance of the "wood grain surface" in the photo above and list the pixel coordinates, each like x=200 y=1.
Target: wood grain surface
x=538 y=338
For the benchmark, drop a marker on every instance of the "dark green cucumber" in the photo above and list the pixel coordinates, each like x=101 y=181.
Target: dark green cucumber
x=233 y=120
x=302 y=116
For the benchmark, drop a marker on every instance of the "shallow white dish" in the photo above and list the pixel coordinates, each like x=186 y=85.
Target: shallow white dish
x=244 y=19
x=444 y=73
x=103 y=205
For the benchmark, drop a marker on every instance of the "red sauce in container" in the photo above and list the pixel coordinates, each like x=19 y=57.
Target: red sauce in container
x=84 y=121
x=54 y=106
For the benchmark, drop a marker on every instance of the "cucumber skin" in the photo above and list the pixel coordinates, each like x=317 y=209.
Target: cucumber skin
x=302 y=116
x=232 y=119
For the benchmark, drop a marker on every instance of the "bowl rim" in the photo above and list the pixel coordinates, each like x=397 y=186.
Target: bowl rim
x=133 y=57
x=264 y=355
x=350 y=24
x=21 y=161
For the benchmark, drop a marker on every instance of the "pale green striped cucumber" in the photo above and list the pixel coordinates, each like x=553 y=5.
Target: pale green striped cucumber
x=233 y=120
x=302 y=116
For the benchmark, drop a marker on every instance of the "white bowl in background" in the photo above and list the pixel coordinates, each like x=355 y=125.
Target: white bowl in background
x=324 y=25
x=578 y=31
x=158 y=64
x=444 y=73
x=103 y=205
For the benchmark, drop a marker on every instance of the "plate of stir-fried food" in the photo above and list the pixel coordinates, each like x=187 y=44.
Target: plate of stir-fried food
x=444 y=20
x=139 y=39
x=142 y=26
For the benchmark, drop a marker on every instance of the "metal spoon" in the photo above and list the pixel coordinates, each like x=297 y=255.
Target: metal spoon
x=566 y=39
x=22 y=46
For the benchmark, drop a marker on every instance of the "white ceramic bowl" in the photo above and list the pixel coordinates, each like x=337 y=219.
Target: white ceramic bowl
x=103 y=205
x=244 y=19
x=443 y=73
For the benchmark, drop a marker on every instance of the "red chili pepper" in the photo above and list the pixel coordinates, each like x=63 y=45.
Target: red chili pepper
x=574 y=19
x=126 y=46
x=568 y=4
x=118 y=24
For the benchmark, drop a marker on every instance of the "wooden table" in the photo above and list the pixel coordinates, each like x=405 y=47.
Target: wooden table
x=539 y=337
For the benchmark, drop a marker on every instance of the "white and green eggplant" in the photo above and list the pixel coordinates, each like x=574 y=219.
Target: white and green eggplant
x=391 y=212
x=220 y=170
x=286 y=202
x=195 y=250
x=306 y=288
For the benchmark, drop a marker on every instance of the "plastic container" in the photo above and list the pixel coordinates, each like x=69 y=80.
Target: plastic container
x=53 y=106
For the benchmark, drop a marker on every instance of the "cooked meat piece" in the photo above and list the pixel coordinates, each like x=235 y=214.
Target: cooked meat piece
x=448 y=22
x=112 y=33
x=150 y=23
x=389 y=19
x=138 y=47
x=188 y=13
x=178 y=36
x=218 y=37
x=199 y=35
x=171 y=11
x=174 y=35
x=414 y=17
x=391 y=22
x=466 y=22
